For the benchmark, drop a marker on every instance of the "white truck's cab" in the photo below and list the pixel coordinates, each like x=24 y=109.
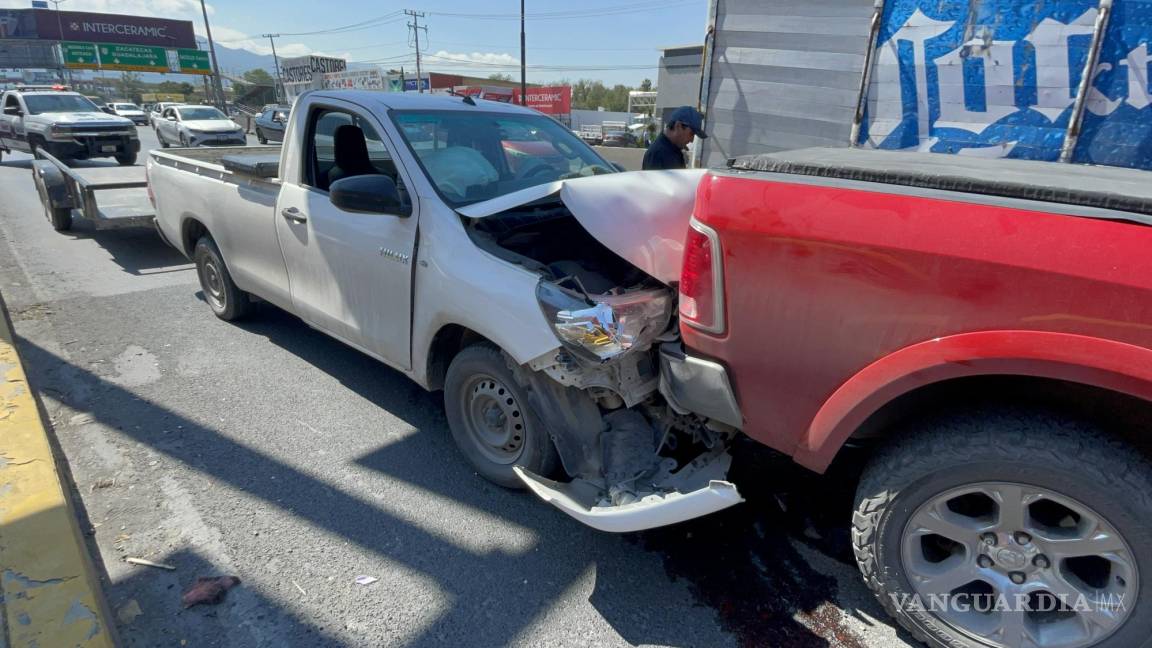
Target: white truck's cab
x=66 y=124
x=468 y=245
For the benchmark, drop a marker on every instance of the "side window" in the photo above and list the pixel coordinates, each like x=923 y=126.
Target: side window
x=168 y=112
x=344 y=144
x=11 y=102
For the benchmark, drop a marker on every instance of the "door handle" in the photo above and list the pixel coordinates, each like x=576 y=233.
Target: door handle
x=294 y=215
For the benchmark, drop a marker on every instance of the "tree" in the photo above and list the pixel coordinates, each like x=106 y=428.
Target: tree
x=259 y=77
x=646 y=85
x=130 y=86
x=500 y=76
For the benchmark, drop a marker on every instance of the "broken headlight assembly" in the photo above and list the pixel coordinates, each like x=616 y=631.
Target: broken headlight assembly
x=599 y=328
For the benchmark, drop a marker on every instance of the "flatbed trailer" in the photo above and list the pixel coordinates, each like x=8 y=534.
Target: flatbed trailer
x=67 y=193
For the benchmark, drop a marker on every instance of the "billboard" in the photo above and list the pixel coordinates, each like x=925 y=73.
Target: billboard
x=354 y=80
x=998 y=78
x=113 y=28
x=17 y=23
x=95 y=28
x=550 y=100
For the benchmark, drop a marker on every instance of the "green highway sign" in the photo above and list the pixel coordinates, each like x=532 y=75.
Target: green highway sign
x=193 y=61
x=138 y=58
x=79 y=55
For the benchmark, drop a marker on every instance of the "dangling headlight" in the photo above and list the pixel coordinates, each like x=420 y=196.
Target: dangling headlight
x=602 y=327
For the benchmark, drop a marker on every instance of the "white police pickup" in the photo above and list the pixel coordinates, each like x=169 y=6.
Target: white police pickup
x=66 y=124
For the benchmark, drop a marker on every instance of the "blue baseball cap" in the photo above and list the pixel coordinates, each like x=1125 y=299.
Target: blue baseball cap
x=691 y=118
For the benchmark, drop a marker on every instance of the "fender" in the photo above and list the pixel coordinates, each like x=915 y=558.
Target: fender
x=1116 y=366
x=52 y=185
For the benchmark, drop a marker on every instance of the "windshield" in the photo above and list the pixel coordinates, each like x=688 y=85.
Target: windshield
x=127 y=107
x=206 y=112
x=48 y=103
x=475 y=156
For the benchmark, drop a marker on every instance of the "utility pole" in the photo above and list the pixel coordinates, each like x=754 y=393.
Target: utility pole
x=218 y=85
x=276 y=60
x=523 y=61
x=60 y=26
x=415 y=27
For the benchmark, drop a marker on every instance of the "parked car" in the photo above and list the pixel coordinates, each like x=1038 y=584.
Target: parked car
x=198 y=126
x=130 y=111
x=618 y=139
x=65 y=124
x=526 y=296
x=270 y=123
x=973 y=336
x=155 y=114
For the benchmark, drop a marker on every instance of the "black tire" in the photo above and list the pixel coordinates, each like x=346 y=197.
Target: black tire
x=226 y=300
x=183 y=141
x=482 y=372
x=163 y=142
x=127 y=159
x=260 y=136
x=59 y=217
x=1044 y=452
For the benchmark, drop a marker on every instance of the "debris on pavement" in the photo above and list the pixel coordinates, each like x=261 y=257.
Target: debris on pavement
x=300 y=588
x=149 y=563
x=209 y=590
x=128 y=612
x=366 y=580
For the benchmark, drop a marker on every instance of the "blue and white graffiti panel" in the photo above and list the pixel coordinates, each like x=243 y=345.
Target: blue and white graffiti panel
x=997 y=78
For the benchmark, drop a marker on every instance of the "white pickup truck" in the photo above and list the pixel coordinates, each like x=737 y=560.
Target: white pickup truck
x=481 y=249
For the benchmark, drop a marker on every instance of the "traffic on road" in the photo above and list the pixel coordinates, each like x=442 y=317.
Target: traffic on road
x=441 y=369
x=336 y=469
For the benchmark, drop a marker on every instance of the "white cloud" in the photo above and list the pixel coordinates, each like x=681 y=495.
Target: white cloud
x=474 y=59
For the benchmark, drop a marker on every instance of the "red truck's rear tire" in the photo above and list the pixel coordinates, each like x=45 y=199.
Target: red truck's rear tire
x=225 y=299
x=491 y=419
x=976 y=509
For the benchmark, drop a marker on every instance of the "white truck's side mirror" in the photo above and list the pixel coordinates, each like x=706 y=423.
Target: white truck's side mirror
x=370 y=194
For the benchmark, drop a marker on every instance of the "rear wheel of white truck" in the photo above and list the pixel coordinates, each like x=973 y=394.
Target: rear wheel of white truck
x=1010 y=530
x=491 y=420
x=226 y=300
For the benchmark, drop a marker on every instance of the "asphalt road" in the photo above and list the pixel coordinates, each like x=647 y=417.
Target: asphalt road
x=270 y=452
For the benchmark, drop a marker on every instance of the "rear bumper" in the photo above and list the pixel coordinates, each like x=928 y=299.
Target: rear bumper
x=692 y=384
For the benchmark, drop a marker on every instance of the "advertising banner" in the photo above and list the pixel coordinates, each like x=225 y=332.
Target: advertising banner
x=17 y=23
x=550 y=100
x=998 y=78
x=354 y=80
x=112 y=28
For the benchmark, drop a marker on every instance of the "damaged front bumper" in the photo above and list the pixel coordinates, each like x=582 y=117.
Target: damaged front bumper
x=692 y=493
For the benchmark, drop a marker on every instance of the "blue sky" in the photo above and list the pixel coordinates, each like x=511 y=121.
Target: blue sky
x=614 y=41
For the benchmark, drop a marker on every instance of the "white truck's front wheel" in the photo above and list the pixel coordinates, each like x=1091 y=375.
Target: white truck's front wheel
x=491 y=420
x=1010 y=530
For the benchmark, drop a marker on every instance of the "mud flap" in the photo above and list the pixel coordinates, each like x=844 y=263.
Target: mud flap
x=580 y=500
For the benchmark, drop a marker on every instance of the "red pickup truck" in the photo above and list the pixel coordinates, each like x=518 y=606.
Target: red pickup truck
x=984 y=329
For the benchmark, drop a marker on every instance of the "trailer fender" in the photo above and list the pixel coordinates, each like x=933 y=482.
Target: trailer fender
x=51 y=185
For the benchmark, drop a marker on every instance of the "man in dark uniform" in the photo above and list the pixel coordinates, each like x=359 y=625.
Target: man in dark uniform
x=667 y=152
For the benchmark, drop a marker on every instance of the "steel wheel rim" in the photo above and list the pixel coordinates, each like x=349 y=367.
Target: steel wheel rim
x=213 y=283
x=1046 y=570
x=493 y=419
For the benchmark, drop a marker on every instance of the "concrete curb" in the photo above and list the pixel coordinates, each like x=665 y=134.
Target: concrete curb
x=51 y=593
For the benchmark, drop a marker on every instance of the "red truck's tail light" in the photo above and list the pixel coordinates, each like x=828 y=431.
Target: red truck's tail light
x=702 y=280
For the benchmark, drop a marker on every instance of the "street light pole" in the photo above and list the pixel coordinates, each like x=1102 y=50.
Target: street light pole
x=523 y=61
x=218 y=84
x=276 y=61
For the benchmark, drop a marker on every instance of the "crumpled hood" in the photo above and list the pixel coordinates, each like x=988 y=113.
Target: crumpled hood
x=86 y=118
x=641 y=216
x=212 y=125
